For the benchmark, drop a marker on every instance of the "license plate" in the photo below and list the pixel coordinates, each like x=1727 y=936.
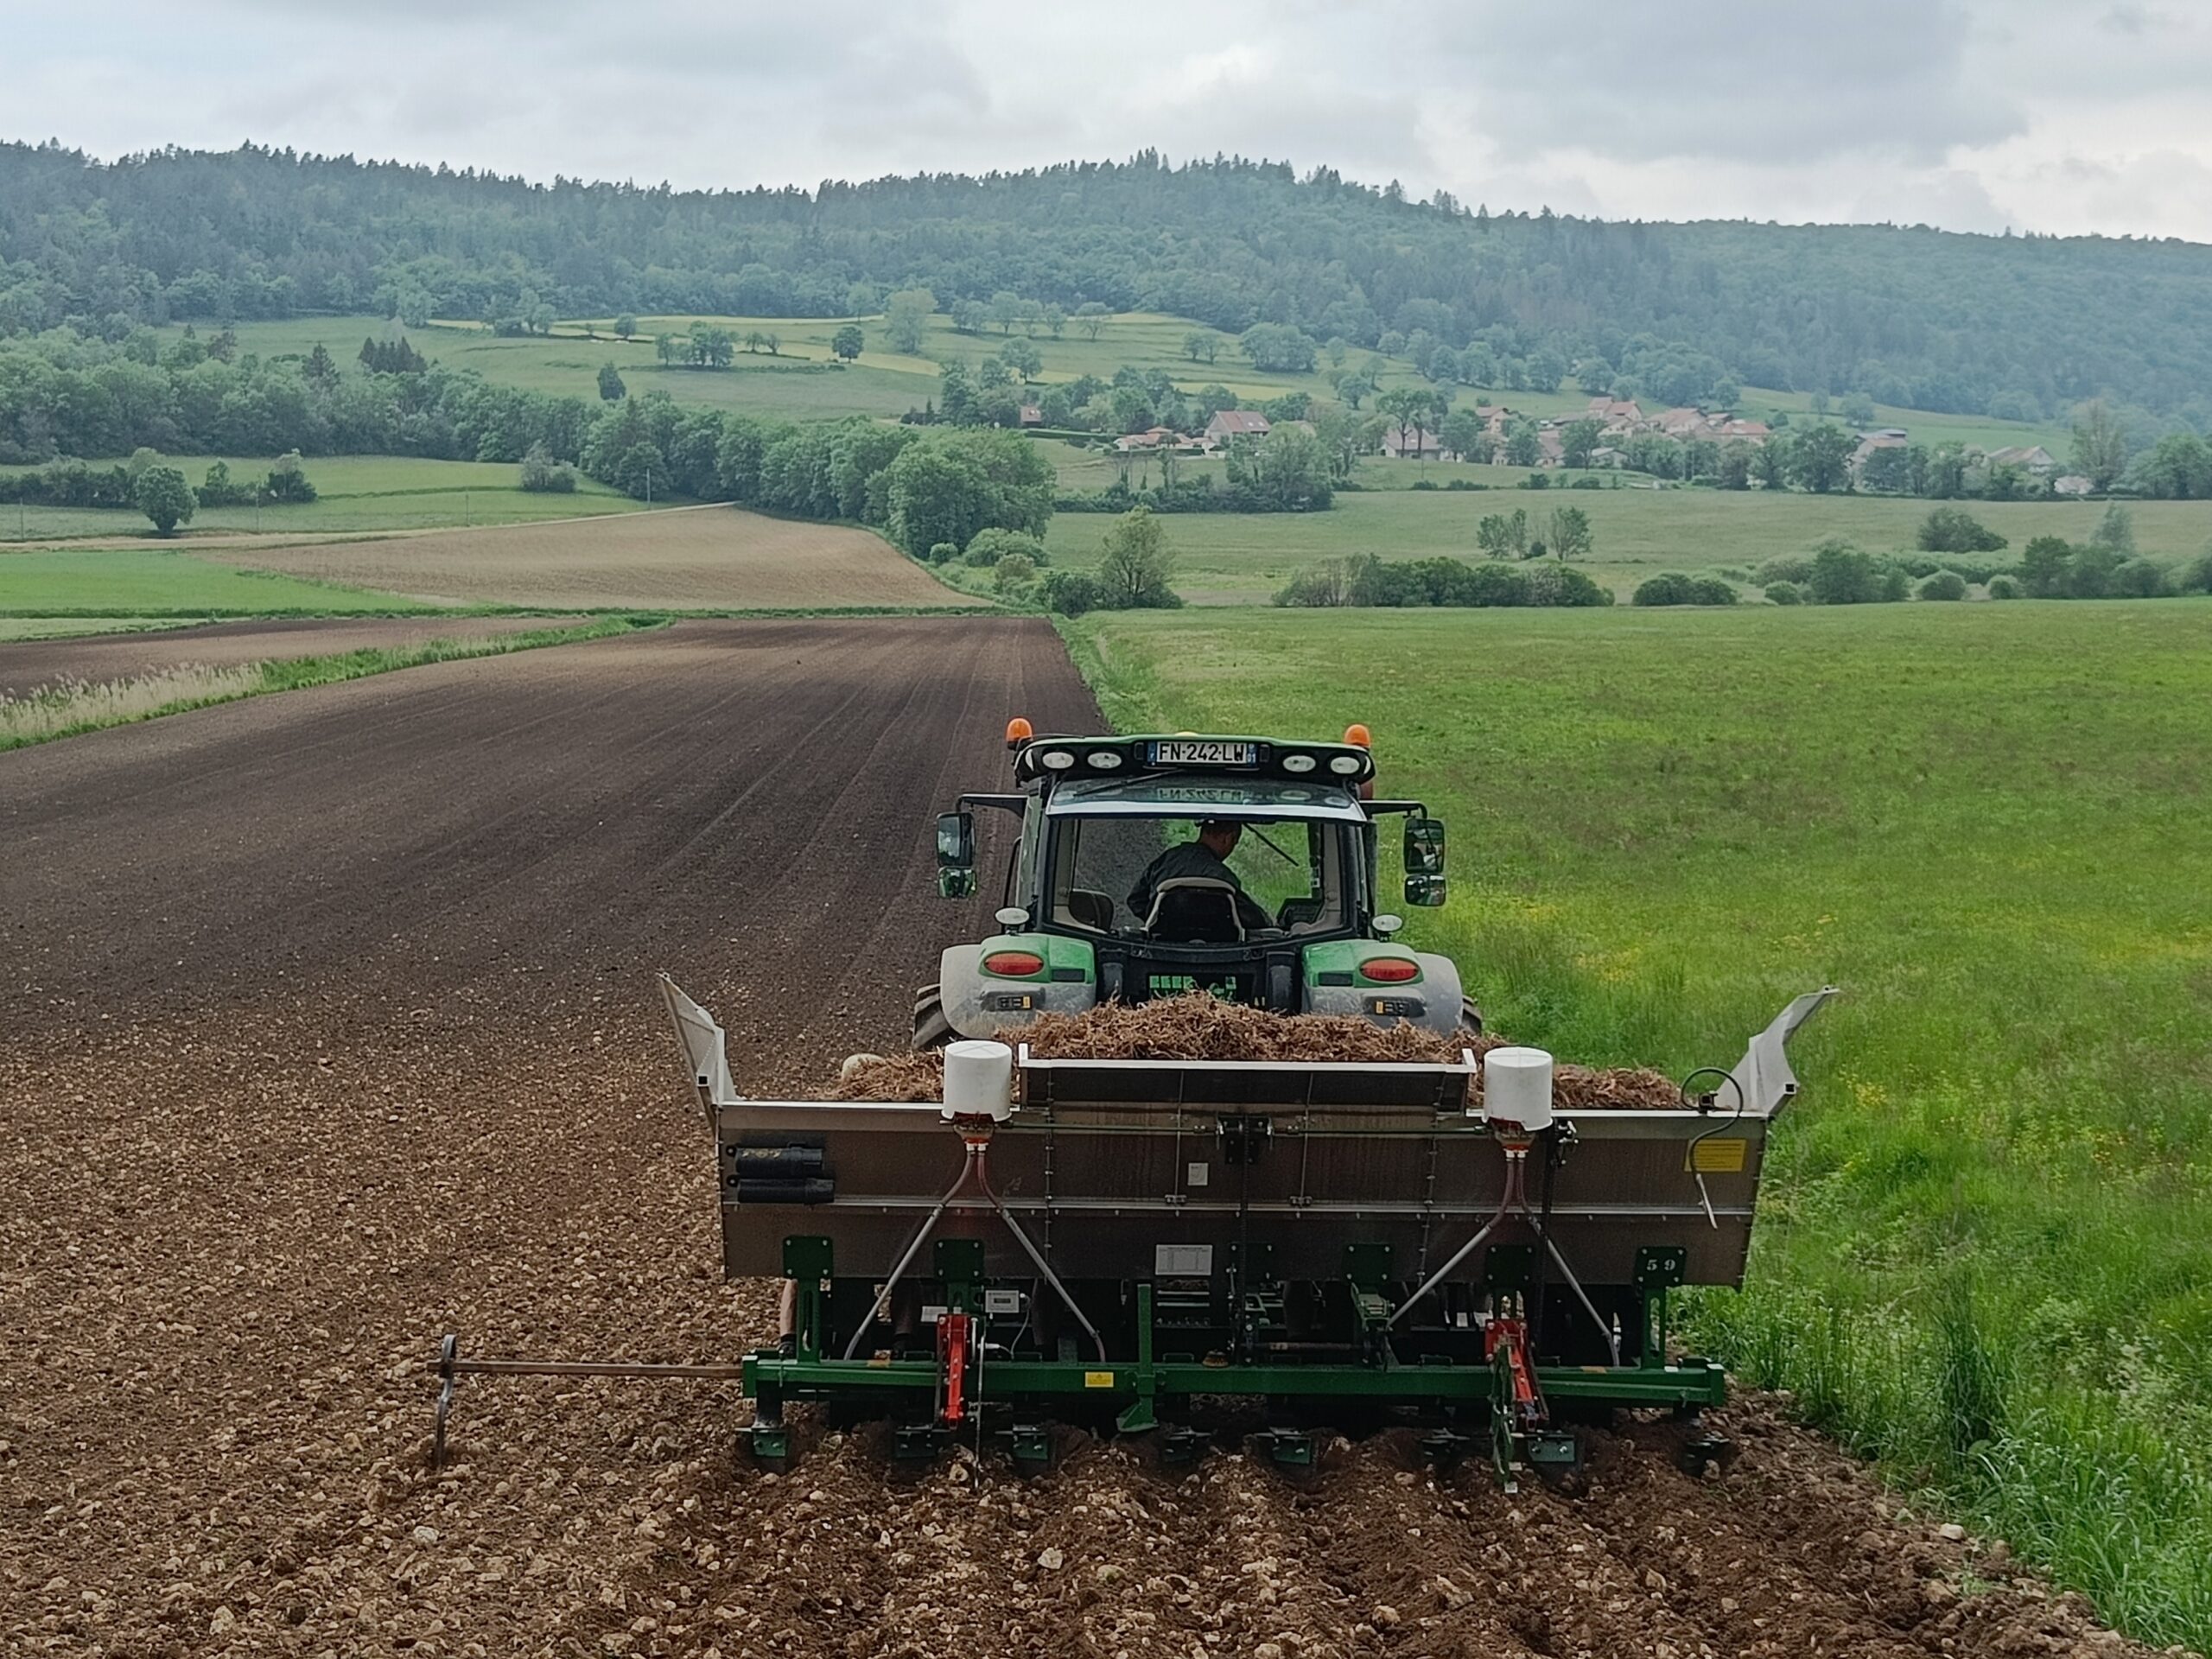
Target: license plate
x=1188 y=751
x=1229 y=987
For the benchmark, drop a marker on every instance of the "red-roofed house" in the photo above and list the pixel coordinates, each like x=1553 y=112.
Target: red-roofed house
x=1236 y=423
x=1158 y=437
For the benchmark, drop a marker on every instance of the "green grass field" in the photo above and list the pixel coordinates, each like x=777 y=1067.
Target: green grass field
x=1239 y=558
x=354 y=492
x=802 y=381
x=1985 y=1252
x=141 y=585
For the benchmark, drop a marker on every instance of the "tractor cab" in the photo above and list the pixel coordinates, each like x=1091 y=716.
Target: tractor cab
x=1149 y=866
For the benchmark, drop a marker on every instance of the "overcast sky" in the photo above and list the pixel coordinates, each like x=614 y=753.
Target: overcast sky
x=2048 y=115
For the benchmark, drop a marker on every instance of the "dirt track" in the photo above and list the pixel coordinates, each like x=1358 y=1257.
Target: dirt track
x=330 y=1026
x=95 y=657
x=689 y=558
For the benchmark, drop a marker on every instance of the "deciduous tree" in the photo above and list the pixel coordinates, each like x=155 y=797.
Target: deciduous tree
x=1820 y=458
x=1577 y=439
x=1136 y=565
x=1569 y=534
x=1462 y=433
x=2099 y=444
x=162 y=495
x=906 y=314
x=1504 y=535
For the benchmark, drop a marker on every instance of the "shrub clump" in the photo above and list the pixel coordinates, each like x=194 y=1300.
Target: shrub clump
x=1844 y=575
x=543 y=475
x=1785 y=592
x=1954 y=529
x=1944 y=584
x=1069 y=593
x=986 y=547
x=1676 y=588
x=2141 y=579
x=1367 y=580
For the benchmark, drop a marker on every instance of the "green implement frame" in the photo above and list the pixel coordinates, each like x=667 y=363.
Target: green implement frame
x=1137 y=1387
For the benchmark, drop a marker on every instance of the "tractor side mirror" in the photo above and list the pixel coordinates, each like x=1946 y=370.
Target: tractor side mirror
x=956 y=856
x=1424 y=862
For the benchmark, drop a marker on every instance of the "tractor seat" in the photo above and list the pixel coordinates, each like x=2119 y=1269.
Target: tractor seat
x=1195 y=909
x=1091 y=910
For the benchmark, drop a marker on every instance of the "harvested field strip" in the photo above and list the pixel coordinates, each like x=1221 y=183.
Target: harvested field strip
x=696 y=559
x=131 y=581
x=68 y=708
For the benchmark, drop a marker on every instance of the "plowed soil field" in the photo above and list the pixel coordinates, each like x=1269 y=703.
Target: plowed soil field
x=329 y=1027
x=692 y=558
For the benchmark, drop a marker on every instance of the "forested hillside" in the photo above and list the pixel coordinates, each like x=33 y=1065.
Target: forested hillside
x=2020 y=328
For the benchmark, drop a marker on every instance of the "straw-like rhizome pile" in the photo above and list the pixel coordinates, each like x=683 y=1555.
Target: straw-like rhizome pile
x=1197 y=1026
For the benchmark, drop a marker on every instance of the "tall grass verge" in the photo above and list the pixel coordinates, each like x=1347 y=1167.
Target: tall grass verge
x=69 y=707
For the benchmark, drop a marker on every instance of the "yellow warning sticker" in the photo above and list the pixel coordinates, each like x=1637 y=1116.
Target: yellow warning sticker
x=1098 y=1379
x=1716 y=1158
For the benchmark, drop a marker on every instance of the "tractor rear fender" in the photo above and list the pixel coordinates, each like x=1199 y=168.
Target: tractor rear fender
x=1333 y=985
x=978 y=1003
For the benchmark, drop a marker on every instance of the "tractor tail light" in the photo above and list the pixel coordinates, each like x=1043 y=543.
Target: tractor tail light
x=1389 y=971
x=1020 y=965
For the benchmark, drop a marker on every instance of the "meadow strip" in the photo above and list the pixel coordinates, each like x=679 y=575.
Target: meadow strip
x=72 y=706
x=1984 y=1241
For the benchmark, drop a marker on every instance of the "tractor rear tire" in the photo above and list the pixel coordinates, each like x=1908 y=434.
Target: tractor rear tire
x=932 y=1028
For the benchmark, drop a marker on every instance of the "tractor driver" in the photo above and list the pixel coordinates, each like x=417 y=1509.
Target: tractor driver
x=1205 y=858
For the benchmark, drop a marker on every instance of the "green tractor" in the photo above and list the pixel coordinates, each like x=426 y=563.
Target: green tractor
x=1244 y=867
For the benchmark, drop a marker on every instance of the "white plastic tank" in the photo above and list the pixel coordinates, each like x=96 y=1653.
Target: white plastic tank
x=1517 y=1088
x=979 y=1080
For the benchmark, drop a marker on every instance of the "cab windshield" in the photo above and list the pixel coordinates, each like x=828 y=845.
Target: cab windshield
x=1156 y=877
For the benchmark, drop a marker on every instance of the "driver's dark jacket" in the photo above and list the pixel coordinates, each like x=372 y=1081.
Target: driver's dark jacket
x=1193 y=859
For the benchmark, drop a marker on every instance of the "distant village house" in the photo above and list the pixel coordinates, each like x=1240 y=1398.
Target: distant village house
x=1230 y=424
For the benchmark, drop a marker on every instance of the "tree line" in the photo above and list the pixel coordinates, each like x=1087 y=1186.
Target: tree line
x=60 y=397
x=2009 y=327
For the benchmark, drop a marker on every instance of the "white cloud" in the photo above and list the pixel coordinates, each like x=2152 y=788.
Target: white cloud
x=1974 y=114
